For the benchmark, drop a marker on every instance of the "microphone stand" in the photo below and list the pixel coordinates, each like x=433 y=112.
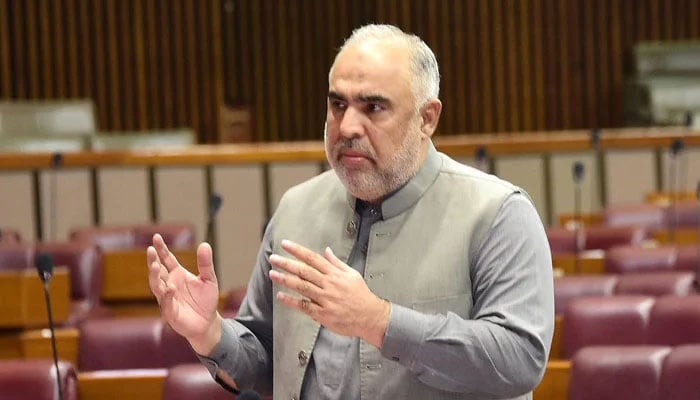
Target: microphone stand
x=577 y=172
x=45 y=268
x=56 y=163
x=676 y=149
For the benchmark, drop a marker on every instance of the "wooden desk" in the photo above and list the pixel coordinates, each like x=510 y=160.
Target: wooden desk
x=126 y=276
x=22 y=302
x=135 y=384
x=555 y=383
x=589 y=262
x=681 y=236
x=557 y=350
x=37 y=344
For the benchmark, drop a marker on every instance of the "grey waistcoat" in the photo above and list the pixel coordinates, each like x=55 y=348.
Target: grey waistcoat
x=420 y=259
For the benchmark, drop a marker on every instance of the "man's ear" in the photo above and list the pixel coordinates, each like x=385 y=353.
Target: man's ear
x=430 y=115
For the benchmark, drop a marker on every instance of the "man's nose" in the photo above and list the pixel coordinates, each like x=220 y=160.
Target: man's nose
x=352 y=124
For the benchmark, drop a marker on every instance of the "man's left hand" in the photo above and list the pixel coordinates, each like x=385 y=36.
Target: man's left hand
x=331 y=292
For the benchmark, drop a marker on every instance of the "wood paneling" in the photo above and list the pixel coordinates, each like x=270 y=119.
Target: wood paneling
x=507 y=65
x=147 y=64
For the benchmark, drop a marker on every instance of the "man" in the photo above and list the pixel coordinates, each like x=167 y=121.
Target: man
x=401 y=274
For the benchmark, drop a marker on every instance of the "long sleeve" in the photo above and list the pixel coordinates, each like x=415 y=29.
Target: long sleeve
x=502 y=350
x=245 y=349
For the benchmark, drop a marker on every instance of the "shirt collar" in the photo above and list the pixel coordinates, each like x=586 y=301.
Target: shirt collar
x=407 y=195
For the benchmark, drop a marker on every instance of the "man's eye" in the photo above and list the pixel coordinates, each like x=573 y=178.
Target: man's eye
x=338 y=105
x=374 y=107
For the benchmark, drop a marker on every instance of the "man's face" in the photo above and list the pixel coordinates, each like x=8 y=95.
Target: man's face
x=373 y=132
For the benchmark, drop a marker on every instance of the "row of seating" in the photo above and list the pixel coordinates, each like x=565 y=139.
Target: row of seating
x=630 y=320
x=36 y=379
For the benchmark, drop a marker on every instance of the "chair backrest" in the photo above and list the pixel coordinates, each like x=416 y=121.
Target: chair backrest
x=617 y=373
x=679 y=377
x=688 y=258
x=59 y=117
x=657 y=284
x=192 y=381
x=684 y=213
x=125 y=237
x=85 y=263
x=107 y=237
x=8 y=235
x=16 y=256
x=562 y=240
x=605 y=237
x=176 y=235
x=567 y=288
x=36 y=380
x=675 y=320
x=625 y=259
x=647 y=215
x=612 y=320
x=131 y=343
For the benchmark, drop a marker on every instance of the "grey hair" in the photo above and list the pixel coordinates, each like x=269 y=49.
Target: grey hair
x=425 y=74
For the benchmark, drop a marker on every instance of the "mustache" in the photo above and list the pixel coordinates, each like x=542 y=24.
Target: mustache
x=356 y=145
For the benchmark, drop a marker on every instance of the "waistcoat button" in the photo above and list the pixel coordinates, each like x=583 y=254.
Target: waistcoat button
x=303 y=358
x=351 y=228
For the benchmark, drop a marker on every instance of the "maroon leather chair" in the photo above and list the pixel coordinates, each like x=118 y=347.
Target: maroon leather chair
x=193 y=381
x=85 y=263
x=617 y=373
x=120 y=237
x=36 y=380
x=613 y=320
x=624 y=259
x=562 y=240
x=683 y=214
x=650 y=216
x=657 y=284
x=681 y=373
x=16 y=256
x=675 y=320
x=232 y=301
x=131 y=343
x=567 y=288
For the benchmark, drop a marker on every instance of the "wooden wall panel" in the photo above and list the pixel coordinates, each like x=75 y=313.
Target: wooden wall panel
x=507 y=65
x=147 y=64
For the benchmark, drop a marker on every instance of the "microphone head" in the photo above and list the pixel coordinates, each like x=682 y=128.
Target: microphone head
x=215 y=202
x=57 y=160
x=577 y=170
x=595 y=138
x=44 y=266
x=481 y=153
x=688 y=119
x=677 y=146
x=248 y=395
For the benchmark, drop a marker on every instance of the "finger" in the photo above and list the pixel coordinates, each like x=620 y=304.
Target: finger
x=304 y=305
x=297 y=268
x=335 y=261
x=205 y=263
x=305 y=288
x=306 y=255
x=156 y=273
x=164 y=255
x=167 y=303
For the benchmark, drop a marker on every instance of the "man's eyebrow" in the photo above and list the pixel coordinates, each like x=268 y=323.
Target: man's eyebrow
x=373 y=98
x=335 y=96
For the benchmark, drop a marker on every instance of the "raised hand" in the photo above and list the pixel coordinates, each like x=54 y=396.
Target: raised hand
x=187 y=302
x=332 y=293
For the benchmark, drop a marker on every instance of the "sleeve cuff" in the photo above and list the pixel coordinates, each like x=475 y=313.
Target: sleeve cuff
x=404 y=335
x=221 y=357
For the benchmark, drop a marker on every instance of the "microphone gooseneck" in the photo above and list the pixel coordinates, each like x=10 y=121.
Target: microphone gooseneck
x=215 y=202
x=44 y=266
x=56 y=164
x=676 y=148
x=482 y=157
x=577 y=171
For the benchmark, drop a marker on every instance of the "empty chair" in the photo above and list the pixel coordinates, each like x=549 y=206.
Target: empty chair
x=123 y=237
x=85 y=263
x=657 y=284
x=16 y=256
x=617 y=373
x=624 y=259
x=610 y=320
x=605 y=237
x=683 y=214
x=192 y=381
x=562 y=240
x=679 y=377
x=571 y=287
x=36 y=380
x=646 y=215
x=675 y=320
x=688 y=258
x=131 y=343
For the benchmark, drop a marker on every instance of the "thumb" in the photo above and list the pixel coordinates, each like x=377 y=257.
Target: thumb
x=205 y=263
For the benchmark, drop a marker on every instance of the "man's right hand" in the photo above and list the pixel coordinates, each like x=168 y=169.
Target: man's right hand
x=187 y=302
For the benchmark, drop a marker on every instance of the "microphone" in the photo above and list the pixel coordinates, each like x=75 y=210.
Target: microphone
x=56 y=164
x=577 y=171
x=248 y=395
x=215 y=201
x=595 y=138
x=482 y=159
x=44 y=266
x=676 y=148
